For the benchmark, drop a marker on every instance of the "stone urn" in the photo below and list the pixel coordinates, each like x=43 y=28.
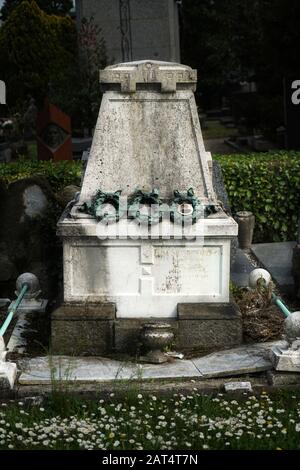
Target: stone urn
x=246 y=221
x=155 y=337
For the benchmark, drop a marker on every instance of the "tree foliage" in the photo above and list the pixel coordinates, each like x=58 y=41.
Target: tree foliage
x=267 y=184
x=44 y=55
x=52 y=7
x=236 y=40
x=34 y=49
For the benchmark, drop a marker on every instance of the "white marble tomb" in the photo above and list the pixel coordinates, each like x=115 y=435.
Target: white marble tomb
x=147 y=136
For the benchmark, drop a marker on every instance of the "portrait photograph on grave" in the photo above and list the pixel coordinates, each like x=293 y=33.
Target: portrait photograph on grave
x=150 y=233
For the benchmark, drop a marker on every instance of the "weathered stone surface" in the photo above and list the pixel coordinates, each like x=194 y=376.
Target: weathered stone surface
x=129 y=75
x=81 y=338
x=277 y=259
x=94 y=323
x=208 y=326
x=286 y=359
x=27 y=237
x=35 y=201
x=278 y=379
x=86 y=337
x=242 y=360
x=150 y=138
x=292 y=328
x=47 y=369
x=85 y=311
x=208 y=335
x=238 y=387
x=179 y=270
x=43 y=370
x=8 y=374
x=136 y=29
x=207 y=311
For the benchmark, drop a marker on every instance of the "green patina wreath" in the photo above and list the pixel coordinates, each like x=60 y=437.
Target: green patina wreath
x=189 y=198
x=150 y=199
x=95 y=207
x=138 y=198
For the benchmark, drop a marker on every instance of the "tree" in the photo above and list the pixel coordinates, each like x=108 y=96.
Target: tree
x=34 y=48
x=236 y=40
x=77 y=91
x=52 y=7
x=221 y=40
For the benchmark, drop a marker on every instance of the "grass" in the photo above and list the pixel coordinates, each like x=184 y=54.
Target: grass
x=216 y=130
x=147 y=422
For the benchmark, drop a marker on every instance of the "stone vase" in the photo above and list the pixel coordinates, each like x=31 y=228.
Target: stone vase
x=246 y=222
x=155 y=337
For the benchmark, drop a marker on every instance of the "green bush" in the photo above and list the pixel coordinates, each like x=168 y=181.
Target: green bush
x=58 y=174
x=268 y=184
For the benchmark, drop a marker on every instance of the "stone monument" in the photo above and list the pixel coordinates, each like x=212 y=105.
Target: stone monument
x=146 y=239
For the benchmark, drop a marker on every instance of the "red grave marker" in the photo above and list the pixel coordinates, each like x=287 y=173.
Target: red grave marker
x=54 y=141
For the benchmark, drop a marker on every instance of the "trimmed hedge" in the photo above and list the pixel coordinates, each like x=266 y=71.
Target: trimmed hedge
x=58 y=174
x=268 y=184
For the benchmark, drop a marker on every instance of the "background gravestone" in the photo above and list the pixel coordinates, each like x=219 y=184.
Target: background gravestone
x=54 y=140
x=135 y=29
x=27 y=235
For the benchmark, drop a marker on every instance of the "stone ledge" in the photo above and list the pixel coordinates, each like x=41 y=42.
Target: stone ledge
x=281 y=379
x=203 y=327
x=208 y=311
x=84 y=311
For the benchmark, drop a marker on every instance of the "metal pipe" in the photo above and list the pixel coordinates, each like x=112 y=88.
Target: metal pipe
x=281 y=305
x=13 y=309
x=264 y=277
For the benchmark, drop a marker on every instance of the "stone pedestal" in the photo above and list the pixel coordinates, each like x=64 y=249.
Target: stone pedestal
x=147 y=136
x=286 y=359
x=91 y=329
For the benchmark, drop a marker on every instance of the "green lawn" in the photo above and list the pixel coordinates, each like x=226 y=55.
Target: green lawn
x=147 y=422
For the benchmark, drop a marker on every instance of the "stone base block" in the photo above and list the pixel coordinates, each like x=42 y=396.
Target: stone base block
x=8 y=374
x=93 y=329
x=278 y=379
x=82 y=329
x=208 y=327
x=286 y=359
